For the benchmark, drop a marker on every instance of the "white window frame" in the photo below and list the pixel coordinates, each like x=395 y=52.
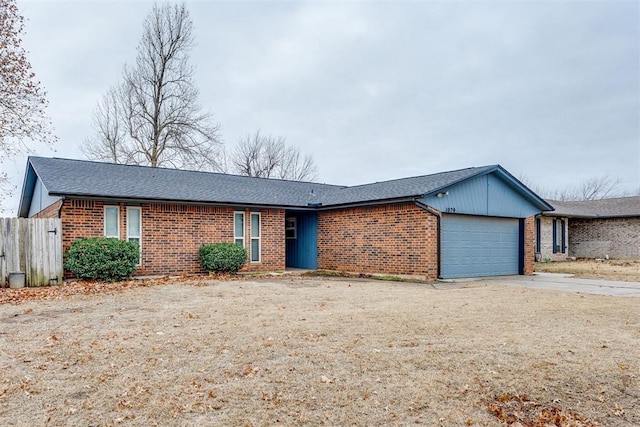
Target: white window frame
x=291 y=223
x=117 y=208
x=139 y=237
x=244 y=227
x=257 y=238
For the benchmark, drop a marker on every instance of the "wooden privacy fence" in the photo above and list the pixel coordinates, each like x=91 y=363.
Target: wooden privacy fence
x=32 y=246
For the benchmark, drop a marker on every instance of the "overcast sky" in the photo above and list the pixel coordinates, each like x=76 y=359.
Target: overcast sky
x=379 y=90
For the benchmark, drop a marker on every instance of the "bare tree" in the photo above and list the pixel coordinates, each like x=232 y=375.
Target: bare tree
x=295 y=167
x=110 y=138
x=267 y=156
x=595 y=188
x=154 y=118
x=602 y=187
x=22 y=100
x=531 y=185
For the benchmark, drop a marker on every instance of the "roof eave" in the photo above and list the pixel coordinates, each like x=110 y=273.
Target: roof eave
x=28 y=186
x=115 y=199
x=306 y=207
x=557 y=214
x=541 y=203
x=402 y=199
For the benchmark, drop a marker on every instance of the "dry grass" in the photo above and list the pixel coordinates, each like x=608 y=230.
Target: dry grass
x=625 y=270
x=310 y=351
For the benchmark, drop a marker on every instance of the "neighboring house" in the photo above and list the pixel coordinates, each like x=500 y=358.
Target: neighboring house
x=607 y=228
x=464 y=223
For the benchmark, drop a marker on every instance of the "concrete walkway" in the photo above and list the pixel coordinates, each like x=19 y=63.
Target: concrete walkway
x=566 y=282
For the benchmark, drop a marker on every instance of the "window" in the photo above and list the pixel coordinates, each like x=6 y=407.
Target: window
x=559 y=243
x=238 y=227
x=290 y=228
x=112 y=222
x=255 y=237
x=134 y=228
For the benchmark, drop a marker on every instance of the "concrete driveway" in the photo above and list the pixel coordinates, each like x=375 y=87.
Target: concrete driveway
x=565 y=282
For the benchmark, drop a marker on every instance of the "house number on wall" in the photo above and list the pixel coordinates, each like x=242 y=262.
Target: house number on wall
x=450 y=210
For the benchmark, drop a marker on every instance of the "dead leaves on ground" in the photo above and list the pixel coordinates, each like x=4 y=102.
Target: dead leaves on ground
x=83 y=287
x=18 y=296
x=521 y=411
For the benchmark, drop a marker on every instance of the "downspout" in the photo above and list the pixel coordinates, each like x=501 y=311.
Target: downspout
x=438 y=220
x=62 y=199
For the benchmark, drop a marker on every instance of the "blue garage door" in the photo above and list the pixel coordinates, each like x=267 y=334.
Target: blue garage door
x=475 y=246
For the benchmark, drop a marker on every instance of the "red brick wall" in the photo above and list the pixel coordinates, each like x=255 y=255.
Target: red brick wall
x=390 y=239
x=50 y=211
x=81 y=218
x=529 y=244
x=272 y=240
x=172 y=234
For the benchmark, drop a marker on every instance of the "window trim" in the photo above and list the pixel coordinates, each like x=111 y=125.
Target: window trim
x=257 y=238
x=244 y=232
x=117 y=208
x=293 y=227
x=559 y=240
x=139 y=237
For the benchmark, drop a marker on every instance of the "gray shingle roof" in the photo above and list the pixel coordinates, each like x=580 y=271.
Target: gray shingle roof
x=401 y=188
x=79 y=178
x=85 y=178
x=604 y=208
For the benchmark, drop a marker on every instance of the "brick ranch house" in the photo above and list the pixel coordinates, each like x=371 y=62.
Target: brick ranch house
x=470 y=222
x=607 y=228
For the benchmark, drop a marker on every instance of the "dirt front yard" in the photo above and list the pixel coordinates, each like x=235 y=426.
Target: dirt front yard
x=615 y=269
x=312 y=351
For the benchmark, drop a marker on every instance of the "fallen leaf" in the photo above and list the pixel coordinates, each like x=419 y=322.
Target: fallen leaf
x=325 y=380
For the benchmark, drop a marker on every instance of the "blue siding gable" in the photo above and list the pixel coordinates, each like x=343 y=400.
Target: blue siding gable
x=40 y=198
x=489 y=194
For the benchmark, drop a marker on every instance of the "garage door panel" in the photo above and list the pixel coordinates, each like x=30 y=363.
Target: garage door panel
x=479 y=246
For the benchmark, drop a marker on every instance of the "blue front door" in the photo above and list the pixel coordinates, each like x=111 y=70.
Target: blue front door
x=301 y=230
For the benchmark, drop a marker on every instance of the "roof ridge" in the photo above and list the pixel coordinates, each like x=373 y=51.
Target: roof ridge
x=607 y=199
x=417 y=176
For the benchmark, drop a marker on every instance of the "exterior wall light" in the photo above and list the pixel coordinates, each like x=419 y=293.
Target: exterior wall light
x=441 y=195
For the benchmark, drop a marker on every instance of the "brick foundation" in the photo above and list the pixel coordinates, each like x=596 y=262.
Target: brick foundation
x=390 y=239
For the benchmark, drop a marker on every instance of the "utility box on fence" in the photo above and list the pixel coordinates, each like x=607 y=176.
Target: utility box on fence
x=16 y=280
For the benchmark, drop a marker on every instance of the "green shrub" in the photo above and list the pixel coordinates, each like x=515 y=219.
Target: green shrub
x=102 y=258
x=222 y=257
